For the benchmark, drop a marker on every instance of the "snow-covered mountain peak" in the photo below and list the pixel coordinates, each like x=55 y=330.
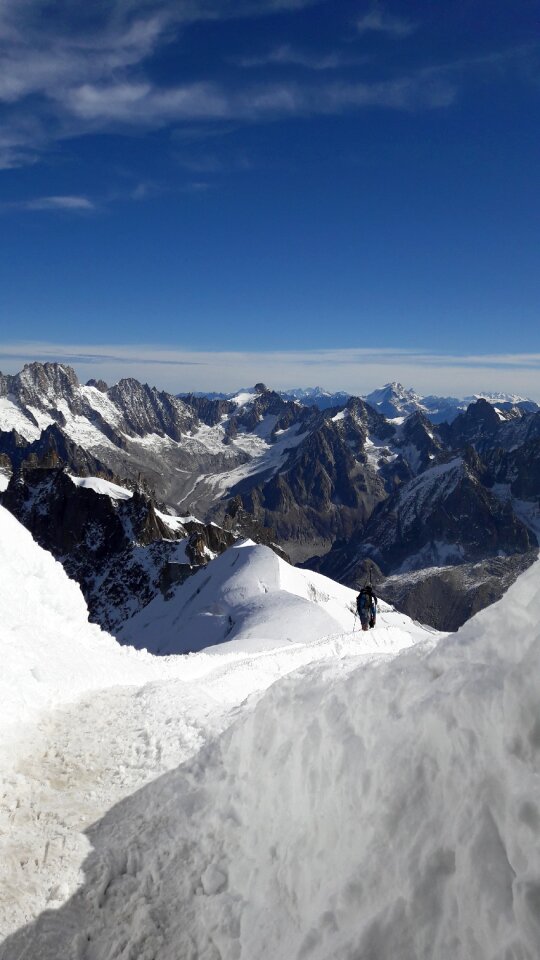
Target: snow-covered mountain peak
x=496 y=398
x=249 y=598
x=245 y=397
x=394 y=400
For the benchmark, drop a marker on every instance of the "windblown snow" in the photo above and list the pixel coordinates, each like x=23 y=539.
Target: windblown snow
x=373 y=802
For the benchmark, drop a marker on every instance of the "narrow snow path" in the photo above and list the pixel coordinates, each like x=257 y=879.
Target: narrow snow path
x=90 y=728
x=81 y=759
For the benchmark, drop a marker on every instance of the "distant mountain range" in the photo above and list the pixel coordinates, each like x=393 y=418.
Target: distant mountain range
x=357 y=485
x=395 y=401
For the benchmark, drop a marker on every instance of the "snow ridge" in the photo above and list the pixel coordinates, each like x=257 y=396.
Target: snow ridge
x=383 y=811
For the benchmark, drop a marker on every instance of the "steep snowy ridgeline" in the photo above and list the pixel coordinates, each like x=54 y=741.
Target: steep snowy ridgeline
x=250 y=599
x=101 y=403
x=4 y=480
x=49 y=651
x=118 y=718
x=105 y=487
x=388 y=812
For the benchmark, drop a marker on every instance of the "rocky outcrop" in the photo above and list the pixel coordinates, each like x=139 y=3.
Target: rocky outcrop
x=208 y=411
x=446 y=598
x=480 y=423
x=147 y=410
x=43 y=386
x=518 y=469
x=325 y=489
x=445 y=515
x=53 y=449
x=121 y=552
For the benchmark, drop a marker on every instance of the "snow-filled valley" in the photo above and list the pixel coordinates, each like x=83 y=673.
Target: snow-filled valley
x=302 y=790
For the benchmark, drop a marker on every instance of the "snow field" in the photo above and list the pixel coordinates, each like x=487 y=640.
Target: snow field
x=12 y=418
x=382 y=806
x=86 y=722
x=383 y=811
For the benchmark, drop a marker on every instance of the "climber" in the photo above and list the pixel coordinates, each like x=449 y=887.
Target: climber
x=366 y=604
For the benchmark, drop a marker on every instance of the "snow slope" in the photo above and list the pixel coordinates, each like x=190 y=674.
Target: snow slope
x=360 y=809
x=250 y=599
x=353 y=811
x=50 y=653
x=85 y=722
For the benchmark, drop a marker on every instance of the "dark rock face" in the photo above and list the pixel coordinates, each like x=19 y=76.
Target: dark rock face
x=519 y=469
x=420 y=443
x=53 y=449
x=147 y=410
x=443 y=516
x=480 y=422
x=325 y=489
x=446 y=598
x=331 y=482
x=208 y=411
x=98 y=384
x=120 y=552
x=42 y=384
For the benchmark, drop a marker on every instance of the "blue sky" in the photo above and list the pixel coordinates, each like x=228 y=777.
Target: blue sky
x=350 y=187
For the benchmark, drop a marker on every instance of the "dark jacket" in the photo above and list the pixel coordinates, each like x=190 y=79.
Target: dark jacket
x=366 y=604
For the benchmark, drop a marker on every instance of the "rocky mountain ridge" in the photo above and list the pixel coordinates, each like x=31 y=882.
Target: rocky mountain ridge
x=114 y=542
x=338 y=486
x=395 y=401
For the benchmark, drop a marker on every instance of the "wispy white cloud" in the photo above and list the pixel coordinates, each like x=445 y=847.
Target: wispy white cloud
x=379 y=20
x=83 y=70
x=72 y=204
x=285 y=54
x=141 y=104
x=43 y=57
x=356 y=370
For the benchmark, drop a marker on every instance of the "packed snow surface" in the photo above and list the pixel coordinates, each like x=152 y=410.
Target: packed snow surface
x=85 y=722
x=362 y=807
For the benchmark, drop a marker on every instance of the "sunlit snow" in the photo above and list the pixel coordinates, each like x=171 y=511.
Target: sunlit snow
x=105 y=487
x=372 y=803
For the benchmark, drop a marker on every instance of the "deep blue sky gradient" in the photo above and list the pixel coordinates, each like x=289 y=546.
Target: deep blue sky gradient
x=324 y=224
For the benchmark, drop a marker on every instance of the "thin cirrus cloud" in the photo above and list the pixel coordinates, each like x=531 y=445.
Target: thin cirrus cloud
x=141 y=104
x=379 y=21
x=355 y=370
x=287 y=55
x=42 y=59
x=72 y=204
x=84 y=70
